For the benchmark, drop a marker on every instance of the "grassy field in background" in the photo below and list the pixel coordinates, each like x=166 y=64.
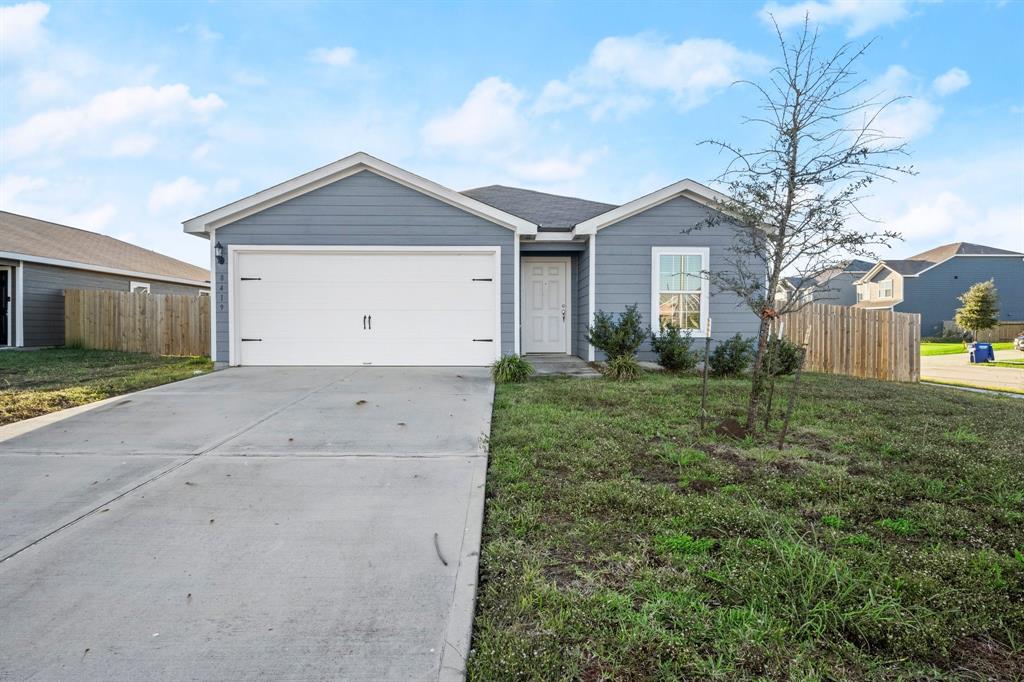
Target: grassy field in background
x=932 y=348
x=885 y=542
x=33 y=383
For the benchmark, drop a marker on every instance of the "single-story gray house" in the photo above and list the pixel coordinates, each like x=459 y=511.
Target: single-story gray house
x=360 y=262
x=834 y=286
x=931 y=283
x=39 y=260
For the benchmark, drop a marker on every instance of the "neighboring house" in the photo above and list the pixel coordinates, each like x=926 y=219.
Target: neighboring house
x=360 y=262
x=931 y=283
x=39 y=260
x=834 y=286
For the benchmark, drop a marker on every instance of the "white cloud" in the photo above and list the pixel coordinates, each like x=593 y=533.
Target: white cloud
x=105 y=113
x=556 y=168
x=226 y=186
x=133 y=145
x=21 y=28
x=180 y=195
x=95 y=219
x=951 y=81
x=334 y=56
x=200 y=31
x=248 y=78
x=973 y=198
x=489 y=114
x=12 y=186
x=623 y=71
x=912 y=116
x=859 y=16
x=200 y=152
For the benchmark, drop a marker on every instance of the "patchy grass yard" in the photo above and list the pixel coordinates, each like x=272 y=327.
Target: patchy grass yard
x=34 y=383
x=886 y=542
x=954 y=347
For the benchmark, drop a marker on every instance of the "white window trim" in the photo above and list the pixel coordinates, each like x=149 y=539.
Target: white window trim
x=134 y=284
x=705 y=289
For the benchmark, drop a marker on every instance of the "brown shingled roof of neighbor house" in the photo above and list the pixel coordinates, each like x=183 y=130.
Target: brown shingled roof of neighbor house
x=33 y=237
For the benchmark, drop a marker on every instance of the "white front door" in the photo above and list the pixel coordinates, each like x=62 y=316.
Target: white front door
x=546 y=309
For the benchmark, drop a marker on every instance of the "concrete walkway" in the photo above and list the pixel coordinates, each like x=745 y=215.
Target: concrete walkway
x=957 y=368
x=558 y=364
x=255 y=523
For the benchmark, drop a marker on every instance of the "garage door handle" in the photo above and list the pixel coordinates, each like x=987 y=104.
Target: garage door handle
x=484 y=340
x=482 y=279
x=250 y=279
x=252 y=339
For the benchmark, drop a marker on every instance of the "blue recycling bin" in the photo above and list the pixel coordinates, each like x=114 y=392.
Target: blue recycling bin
x=981 y=352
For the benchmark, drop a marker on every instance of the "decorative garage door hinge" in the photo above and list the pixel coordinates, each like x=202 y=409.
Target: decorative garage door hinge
x=482 y=279
x=484 y=340
x=252 y=339
x=250 y=279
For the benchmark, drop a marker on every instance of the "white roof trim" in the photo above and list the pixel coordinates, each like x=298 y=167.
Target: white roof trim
x=332 y=172
x=702 y=194
x=873 y=271
x=75 y=265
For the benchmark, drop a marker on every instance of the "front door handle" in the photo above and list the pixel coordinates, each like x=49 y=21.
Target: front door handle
x=563 y=312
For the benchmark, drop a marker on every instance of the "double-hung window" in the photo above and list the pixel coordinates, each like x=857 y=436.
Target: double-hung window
x=680 y=288
x=885 y=289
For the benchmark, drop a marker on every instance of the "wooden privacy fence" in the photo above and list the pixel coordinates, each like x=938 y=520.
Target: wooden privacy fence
x=857 y=342
x=1004 y=331
x=161 y=324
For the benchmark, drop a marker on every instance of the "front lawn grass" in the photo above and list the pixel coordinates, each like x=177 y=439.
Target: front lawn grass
x=33 y=383
x=954 y=347
x=885 y=542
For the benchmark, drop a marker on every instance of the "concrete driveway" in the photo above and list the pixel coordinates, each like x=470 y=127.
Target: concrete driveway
x=255 y=523
x=957 y=368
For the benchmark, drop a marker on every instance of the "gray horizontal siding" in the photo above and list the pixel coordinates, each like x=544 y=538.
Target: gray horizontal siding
x=935 y=294
x=623 y=273
x=366 y=209
x=43 y=297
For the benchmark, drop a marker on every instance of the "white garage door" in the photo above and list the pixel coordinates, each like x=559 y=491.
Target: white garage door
x=330 y=307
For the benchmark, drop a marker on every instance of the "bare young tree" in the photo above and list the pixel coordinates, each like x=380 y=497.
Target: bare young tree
x=793 y=198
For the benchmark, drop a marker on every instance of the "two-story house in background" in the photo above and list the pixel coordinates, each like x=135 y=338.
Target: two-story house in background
x=931 y=283
x=835 y=286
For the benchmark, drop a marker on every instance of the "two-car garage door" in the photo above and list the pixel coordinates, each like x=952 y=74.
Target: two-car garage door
x=357 y=307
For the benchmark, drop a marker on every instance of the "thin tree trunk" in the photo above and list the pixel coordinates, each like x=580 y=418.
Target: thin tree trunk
x=757 y=376
x=792 y=399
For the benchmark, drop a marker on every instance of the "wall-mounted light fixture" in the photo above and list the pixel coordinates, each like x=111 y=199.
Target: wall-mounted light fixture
x=218 y=251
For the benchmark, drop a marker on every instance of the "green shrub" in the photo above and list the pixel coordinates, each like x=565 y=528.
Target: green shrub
x=783 y=357
x=673 y=347
x=617 y=336
x=622 y=368
x=731 y=357
x=511 y=369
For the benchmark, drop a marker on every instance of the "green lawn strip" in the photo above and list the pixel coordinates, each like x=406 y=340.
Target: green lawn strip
x=33 y=383
x=964 y=384
x=887 y=541
x=951 y=348
x=1012 y=364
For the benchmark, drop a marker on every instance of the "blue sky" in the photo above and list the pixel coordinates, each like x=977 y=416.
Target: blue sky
x=129 y=118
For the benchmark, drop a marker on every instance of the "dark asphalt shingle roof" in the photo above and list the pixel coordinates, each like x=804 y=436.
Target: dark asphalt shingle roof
x=540 y=208
x=34 y=237
x=926 y=259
